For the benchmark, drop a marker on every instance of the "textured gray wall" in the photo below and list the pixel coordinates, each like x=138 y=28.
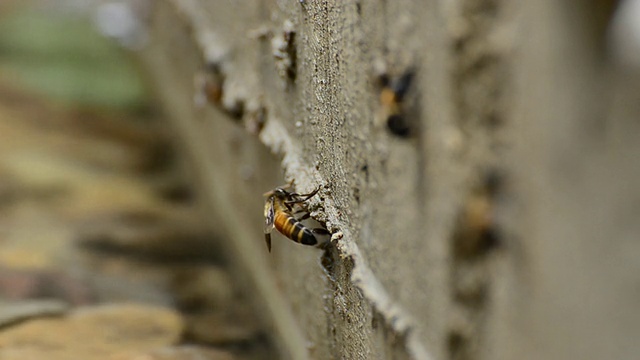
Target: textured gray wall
x=493 y=231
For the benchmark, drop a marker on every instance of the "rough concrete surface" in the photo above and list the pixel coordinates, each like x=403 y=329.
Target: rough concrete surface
x=448 y=228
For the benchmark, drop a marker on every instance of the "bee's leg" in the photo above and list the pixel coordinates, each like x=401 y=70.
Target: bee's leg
x=289 y=206
x=298 y=198
x=311 y=194
x=321 y=231
x=294 y=200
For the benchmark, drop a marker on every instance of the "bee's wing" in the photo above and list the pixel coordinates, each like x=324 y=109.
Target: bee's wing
x=267 y=239
x=402 y=85
x=269 y=217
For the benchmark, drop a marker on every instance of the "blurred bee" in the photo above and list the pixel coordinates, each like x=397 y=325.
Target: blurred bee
x=279 y=213
x=478 y=231
x=391 y=98
x=209 y=86
x=210 y=89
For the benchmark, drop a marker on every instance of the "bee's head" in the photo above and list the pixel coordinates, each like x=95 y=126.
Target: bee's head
x=281 y=193
x=278 y=193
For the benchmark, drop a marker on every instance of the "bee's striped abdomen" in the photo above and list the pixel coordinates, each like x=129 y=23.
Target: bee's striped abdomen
x=293 y=229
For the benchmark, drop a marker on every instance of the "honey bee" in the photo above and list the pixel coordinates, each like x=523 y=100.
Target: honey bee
x=478 y=231
x=280 y=210
x=392 y=100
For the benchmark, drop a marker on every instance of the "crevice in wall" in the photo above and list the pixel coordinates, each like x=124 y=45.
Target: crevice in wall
x=476 y=240
x=479 y=85
x=344 y=249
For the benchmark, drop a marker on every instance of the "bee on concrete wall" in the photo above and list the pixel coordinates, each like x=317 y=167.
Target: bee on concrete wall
x=210 y=89
x=281 y=211
x=391 y=98
x=478 y=232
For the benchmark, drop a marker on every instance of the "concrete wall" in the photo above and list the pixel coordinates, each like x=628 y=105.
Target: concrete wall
x=492 y=230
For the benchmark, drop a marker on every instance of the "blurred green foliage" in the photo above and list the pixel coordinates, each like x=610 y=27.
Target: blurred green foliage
x=63 y=56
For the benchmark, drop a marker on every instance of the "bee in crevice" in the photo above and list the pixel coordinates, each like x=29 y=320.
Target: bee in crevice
x=478 y=231
x=210 y=89
x=280 y=211
x=392 y=100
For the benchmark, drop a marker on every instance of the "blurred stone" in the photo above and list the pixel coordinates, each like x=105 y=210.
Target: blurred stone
x=175 y=235
x=117 y=280
x=93 y=333
x=227 y=327
x=203 y=287
x=15 y=312
x=10 y=189
x=173 y=185
x=30 y=284
x=178 y=353
x=142 y=145
x=31 y=239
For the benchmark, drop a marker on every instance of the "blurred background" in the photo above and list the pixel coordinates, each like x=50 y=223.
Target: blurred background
x=97 y=218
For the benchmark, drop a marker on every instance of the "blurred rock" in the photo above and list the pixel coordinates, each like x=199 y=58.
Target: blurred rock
x=223 y=328
x=15 y=312
x=172 y=185
x=179 y=353
x=30 y=284
x=98 y=332
x=205 y=287
x=32 y=239
x=117 y=280
x=142 y=144
x=176 y=235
